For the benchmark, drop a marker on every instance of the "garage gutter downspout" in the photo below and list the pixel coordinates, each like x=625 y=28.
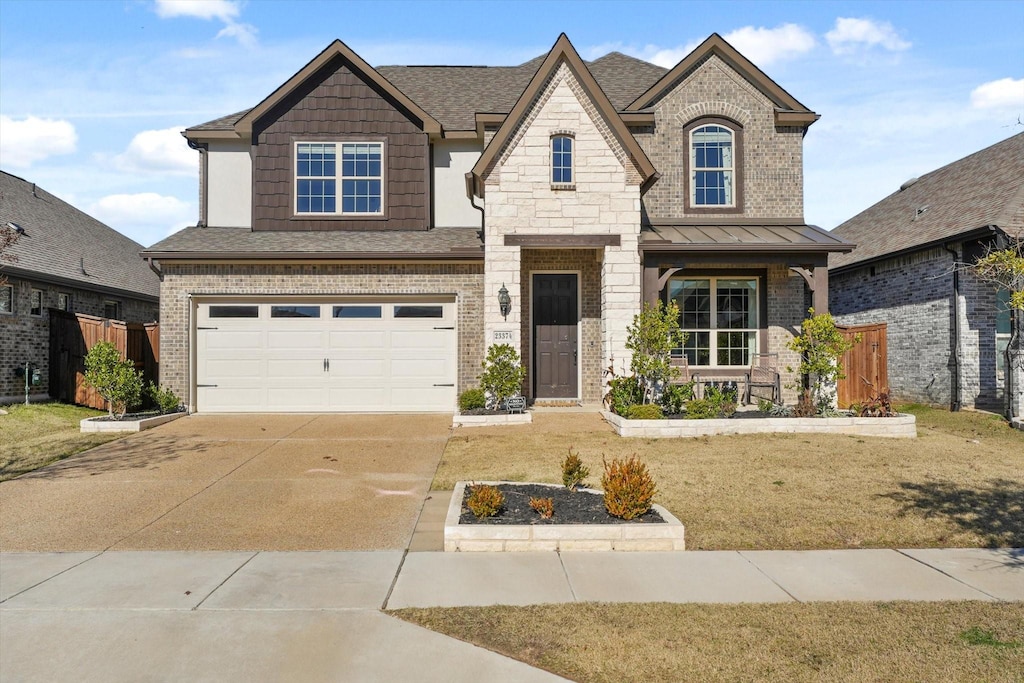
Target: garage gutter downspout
x=954 y=360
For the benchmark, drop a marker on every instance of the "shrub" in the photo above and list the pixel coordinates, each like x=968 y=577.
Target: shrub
x=805 y=405
x=623 y=392
x=574 y=472
x=644 y=411
x=877 y=406
x=545 y=507
x=503 y=374
x=472 y=399
x=764 y=406
x=675 y=396
x=651 y=337
x=484 y=500
x=717 y=403
x=114 y=378
x=165 y=399
x=628 y=488
x=700 y=409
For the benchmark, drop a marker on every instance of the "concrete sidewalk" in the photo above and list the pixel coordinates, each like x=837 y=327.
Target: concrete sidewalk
x=225 y=616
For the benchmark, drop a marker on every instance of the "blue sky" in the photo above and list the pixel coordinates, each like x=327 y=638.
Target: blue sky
x=93 y=94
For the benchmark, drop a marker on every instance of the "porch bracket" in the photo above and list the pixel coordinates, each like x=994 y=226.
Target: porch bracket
x=817 y=281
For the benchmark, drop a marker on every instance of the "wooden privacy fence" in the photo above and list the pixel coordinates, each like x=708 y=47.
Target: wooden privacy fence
x=71 y=337
x=866 y=364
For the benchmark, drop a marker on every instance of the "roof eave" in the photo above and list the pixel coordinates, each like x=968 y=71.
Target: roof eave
x=25 y=274
x=745 y=247
x=974 y=233
x=471 y=254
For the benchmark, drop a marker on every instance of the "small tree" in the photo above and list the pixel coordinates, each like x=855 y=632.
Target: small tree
x=503 y=374
x=115 y=378
x=821 y=345
x=8 y=236
x=652 y=336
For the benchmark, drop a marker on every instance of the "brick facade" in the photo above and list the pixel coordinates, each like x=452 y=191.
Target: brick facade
x=27 y=337
x=772 y=173
x=912 y=294
x=464 y=280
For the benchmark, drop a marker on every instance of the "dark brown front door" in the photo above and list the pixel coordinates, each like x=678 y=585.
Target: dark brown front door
x=555 y=322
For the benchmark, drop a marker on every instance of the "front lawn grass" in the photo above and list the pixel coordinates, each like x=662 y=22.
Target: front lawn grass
x=38 y=434
x=959 y=484
x=896 y=641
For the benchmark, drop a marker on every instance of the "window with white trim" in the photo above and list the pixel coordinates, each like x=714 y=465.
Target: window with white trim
x=35 y=307
x=561 y=160
x=712 y=166
x=325 y=187
x=721 y=318
x=6 y=299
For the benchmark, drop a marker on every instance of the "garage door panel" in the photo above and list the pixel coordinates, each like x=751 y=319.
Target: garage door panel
x=287 y=340
x=413 y=370
x=240 y=368
x=421 y=339
x=232 y=340
x=235 y=399
x=342 y=369
x=357 y=339
x=296 y=368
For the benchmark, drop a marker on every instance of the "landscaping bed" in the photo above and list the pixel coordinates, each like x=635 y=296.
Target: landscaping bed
x=580 y=522
x=131 y=422
x=897 y=426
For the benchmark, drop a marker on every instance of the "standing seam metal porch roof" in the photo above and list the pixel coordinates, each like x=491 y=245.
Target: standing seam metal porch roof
x=716 y=236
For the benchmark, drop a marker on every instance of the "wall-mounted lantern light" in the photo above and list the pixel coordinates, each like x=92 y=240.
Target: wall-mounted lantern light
x=504 y=301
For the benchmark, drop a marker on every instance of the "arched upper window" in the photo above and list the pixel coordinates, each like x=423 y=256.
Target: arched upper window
x=561 y=160
x=714 y=165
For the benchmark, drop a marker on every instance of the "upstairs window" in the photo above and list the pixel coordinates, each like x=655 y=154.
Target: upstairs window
x=319 y=177
x=561 y=160
x=713 y=162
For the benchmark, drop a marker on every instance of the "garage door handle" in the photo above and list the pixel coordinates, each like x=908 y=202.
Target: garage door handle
x=327 y=364
x=444 y=385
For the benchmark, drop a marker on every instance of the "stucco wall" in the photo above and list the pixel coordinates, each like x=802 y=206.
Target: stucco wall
x=453 y=159
x=465 y=280
x=912 y=295
x=229 y=184
x=27 y=338
x=604 y=201
x=772 y=173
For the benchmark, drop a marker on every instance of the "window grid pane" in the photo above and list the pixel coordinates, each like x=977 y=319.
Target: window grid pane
x=720 y=318
x=361 y=184
x=711 y=156
x=561 y=159
x=317 y=177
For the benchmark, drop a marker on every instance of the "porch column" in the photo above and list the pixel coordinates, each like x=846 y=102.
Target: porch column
x=502 y=269
x=621 y=294
x=820 y=290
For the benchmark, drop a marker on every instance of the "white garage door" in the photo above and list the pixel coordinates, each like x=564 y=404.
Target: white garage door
x=347 y=356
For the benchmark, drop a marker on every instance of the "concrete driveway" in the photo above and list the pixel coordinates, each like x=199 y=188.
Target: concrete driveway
x=234 y=482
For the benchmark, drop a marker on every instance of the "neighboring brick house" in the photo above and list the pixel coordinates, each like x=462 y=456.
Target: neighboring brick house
x=62 y=259
x=360 y=228
x=946 y=331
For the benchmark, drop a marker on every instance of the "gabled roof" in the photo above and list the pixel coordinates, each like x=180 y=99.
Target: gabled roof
x=336 y=49
x=975 y=194
x=59 y=240
x=789 y=111
x=562 y=51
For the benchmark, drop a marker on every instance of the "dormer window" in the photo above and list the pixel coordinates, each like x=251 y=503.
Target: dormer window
x=319 y=176
x=714 y=162
x=561 y=161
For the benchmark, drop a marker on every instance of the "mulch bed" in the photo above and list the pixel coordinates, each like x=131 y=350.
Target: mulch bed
x=578 y=507
x=135 y=416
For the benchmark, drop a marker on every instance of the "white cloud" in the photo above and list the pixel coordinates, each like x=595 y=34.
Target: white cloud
x=158 y=151
x=145 y=217
x=764 y=46
x=245 y=34
x=25 y=141
x=225 y=10
x=853 y=35
x=1006 y=93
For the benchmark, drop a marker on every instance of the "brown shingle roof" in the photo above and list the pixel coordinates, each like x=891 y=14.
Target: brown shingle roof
x=59 y=239
x=454 y=94
x=234 y=242
x=980 y=190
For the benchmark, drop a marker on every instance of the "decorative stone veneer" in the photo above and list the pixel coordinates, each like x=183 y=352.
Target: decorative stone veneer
x=27 y=338
x=464 y=280
x=912 y=294
x=605 y=201
x=899 y=427
x=772 y=173
x=588 y=263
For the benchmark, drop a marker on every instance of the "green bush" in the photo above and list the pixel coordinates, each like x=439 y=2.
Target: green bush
x=623 y=392
x=651 y=338
x=114 y=378
x=628 y=488
x=644 y=411
x=503 y=374
x=717 y=403
x=484 y=500
x=700 y=409
x=675 y=396
x=472 y=399
x=165 y=399
x=574 y=472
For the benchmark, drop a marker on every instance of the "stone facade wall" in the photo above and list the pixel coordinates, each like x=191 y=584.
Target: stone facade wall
x=24 y=337
x=464 y=280
x=605 y=200
x=772 y=172
x=588 y=263
x=912 y=295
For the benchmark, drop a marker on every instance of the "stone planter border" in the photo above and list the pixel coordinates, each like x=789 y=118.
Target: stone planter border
x=559 y=537
x=92 y=424
x=492 y=420
x=899 y=427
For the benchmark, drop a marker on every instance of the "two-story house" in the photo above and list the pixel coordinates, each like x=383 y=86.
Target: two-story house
x=366 y=233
